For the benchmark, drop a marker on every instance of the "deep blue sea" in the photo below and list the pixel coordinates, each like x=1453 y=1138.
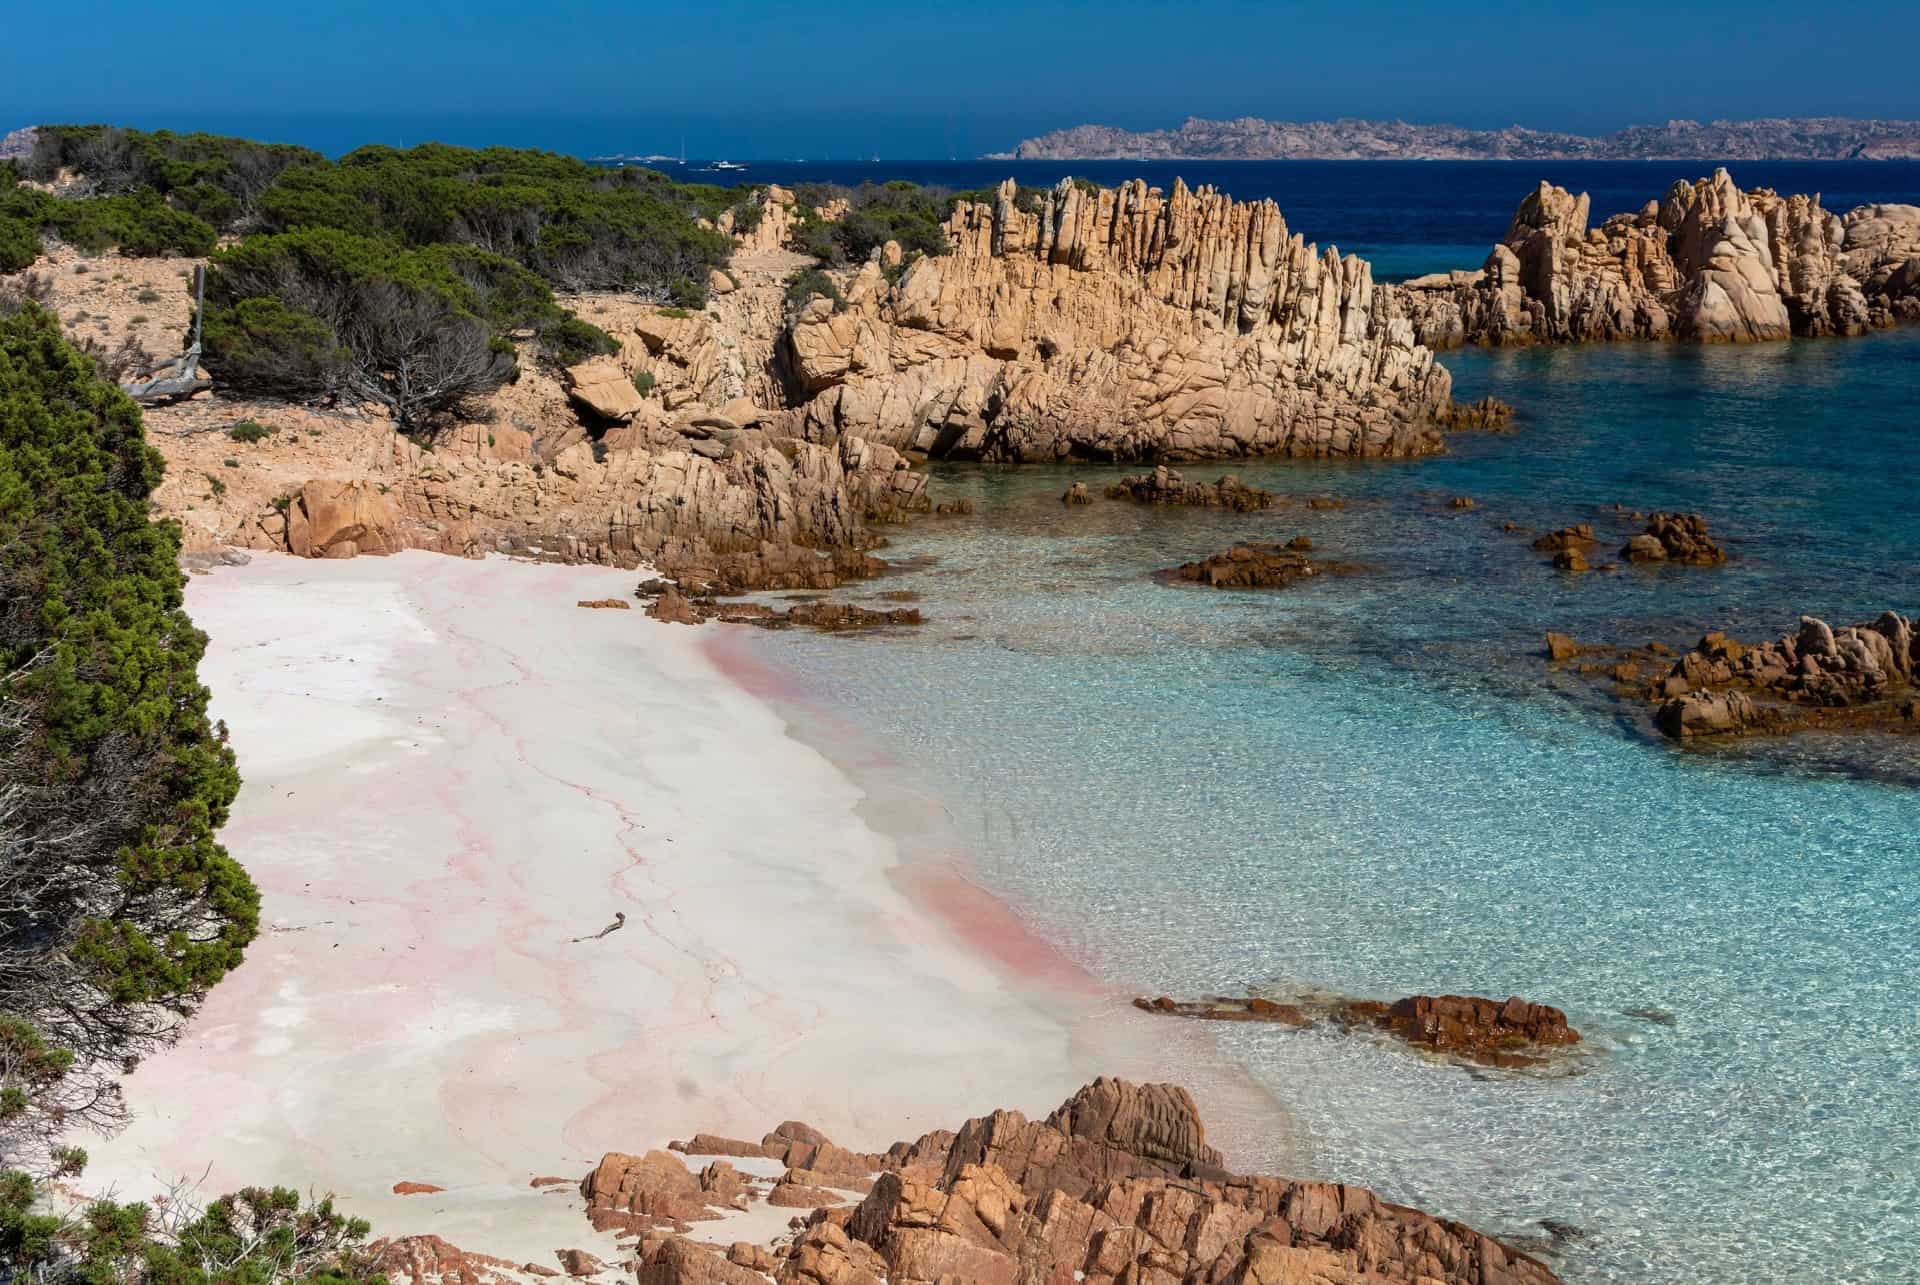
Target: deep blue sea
x=1374 y=785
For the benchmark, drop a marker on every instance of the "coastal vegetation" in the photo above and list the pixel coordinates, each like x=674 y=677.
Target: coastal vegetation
x=875 y=213
x=118 y=906
x=398 y=277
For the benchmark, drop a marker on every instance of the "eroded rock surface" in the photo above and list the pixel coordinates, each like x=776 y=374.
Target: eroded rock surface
x=1709 y=263
x=1122 y=323
x=1117 y=1185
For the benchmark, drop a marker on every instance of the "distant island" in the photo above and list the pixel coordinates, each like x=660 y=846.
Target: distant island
x=1822 y=138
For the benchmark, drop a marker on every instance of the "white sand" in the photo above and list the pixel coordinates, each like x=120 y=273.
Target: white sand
x=451 y=770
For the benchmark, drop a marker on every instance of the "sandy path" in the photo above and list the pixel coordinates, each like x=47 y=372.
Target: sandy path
x=450 y=772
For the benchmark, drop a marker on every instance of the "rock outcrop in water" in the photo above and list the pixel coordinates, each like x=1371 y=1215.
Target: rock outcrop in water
x=1121 y=323
x=1166 y=486
x=1253 y=566
x=1710 y=263
x=1675 y=537
x=1469 y=1028
x=1858 y=676
x=1117 y=1185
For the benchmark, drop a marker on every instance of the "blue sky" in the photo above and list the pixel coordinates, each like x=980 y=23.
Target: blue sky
x=903 y=80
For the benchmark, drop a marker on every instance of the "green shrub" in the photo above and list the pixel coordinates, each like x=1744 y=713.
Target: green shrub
x=216 y=179
x=570 y=341
x=678 y=314
x=879 y=213
x=643 y=382
x=808 y=284
x=249 y=431
x=19 y=244
x=324 y=313
x=255 y=1236
x=119 y=908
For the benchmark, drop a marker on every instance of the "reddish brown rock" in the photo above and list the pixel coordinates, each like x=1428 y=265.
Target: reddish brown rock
x=1573 y=537
x=1570 y=560
x=633 y=1193
x=1117 y=1185
x=1476 y=1028
x=1165 y=486
x=1675 y=537
x=1510 y=1032
x=1460 y=502
x=1855 y=678
x=793 y=1195
x=708 y=1144
x=677 y=1261
x=578 y=1262
x=838 y=617
x=1488 y=415
x=1224 y=1009
x=1561 y=647
x=1251 y=566
x=673 y=607
x=415 y=1188
x=429 y=1260
x=553 y=1182
x=605 y=604
x=1076 y=494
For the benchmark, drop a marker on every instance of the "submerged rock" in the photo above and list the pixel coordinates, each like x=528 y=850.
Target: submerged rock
x=1510 y=1032
x=1252 y=566
x=1166 y=486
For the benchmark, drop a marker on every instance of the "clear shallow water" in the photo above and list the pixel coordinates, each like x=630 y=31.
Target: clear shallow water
x=1370 y=784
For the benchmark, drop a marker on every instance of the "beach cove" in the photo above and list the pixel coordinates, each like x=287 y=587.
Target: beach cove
x=453 y=774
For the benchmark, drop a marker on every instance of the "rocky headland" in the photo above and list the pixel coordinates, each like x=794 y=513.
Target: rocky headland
x=1709 y=263
x=1252 y=139
x=1091 y=324
x=1117 y=1185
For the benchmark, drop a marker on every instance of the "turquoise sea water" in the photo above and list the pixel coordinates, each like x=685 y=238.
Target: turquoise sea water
x=1372 y=784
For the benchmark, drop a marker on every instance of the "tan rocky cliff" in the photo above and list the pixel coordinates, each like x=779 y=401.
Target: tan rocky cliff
x=1710 y=263
x=1119 y=323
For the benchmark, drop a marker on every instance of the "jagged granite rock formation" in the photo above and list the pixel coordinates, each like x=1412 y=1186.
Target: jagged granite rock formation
x=1711 y=263
x=1117 y=1185
x=1121 y=323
